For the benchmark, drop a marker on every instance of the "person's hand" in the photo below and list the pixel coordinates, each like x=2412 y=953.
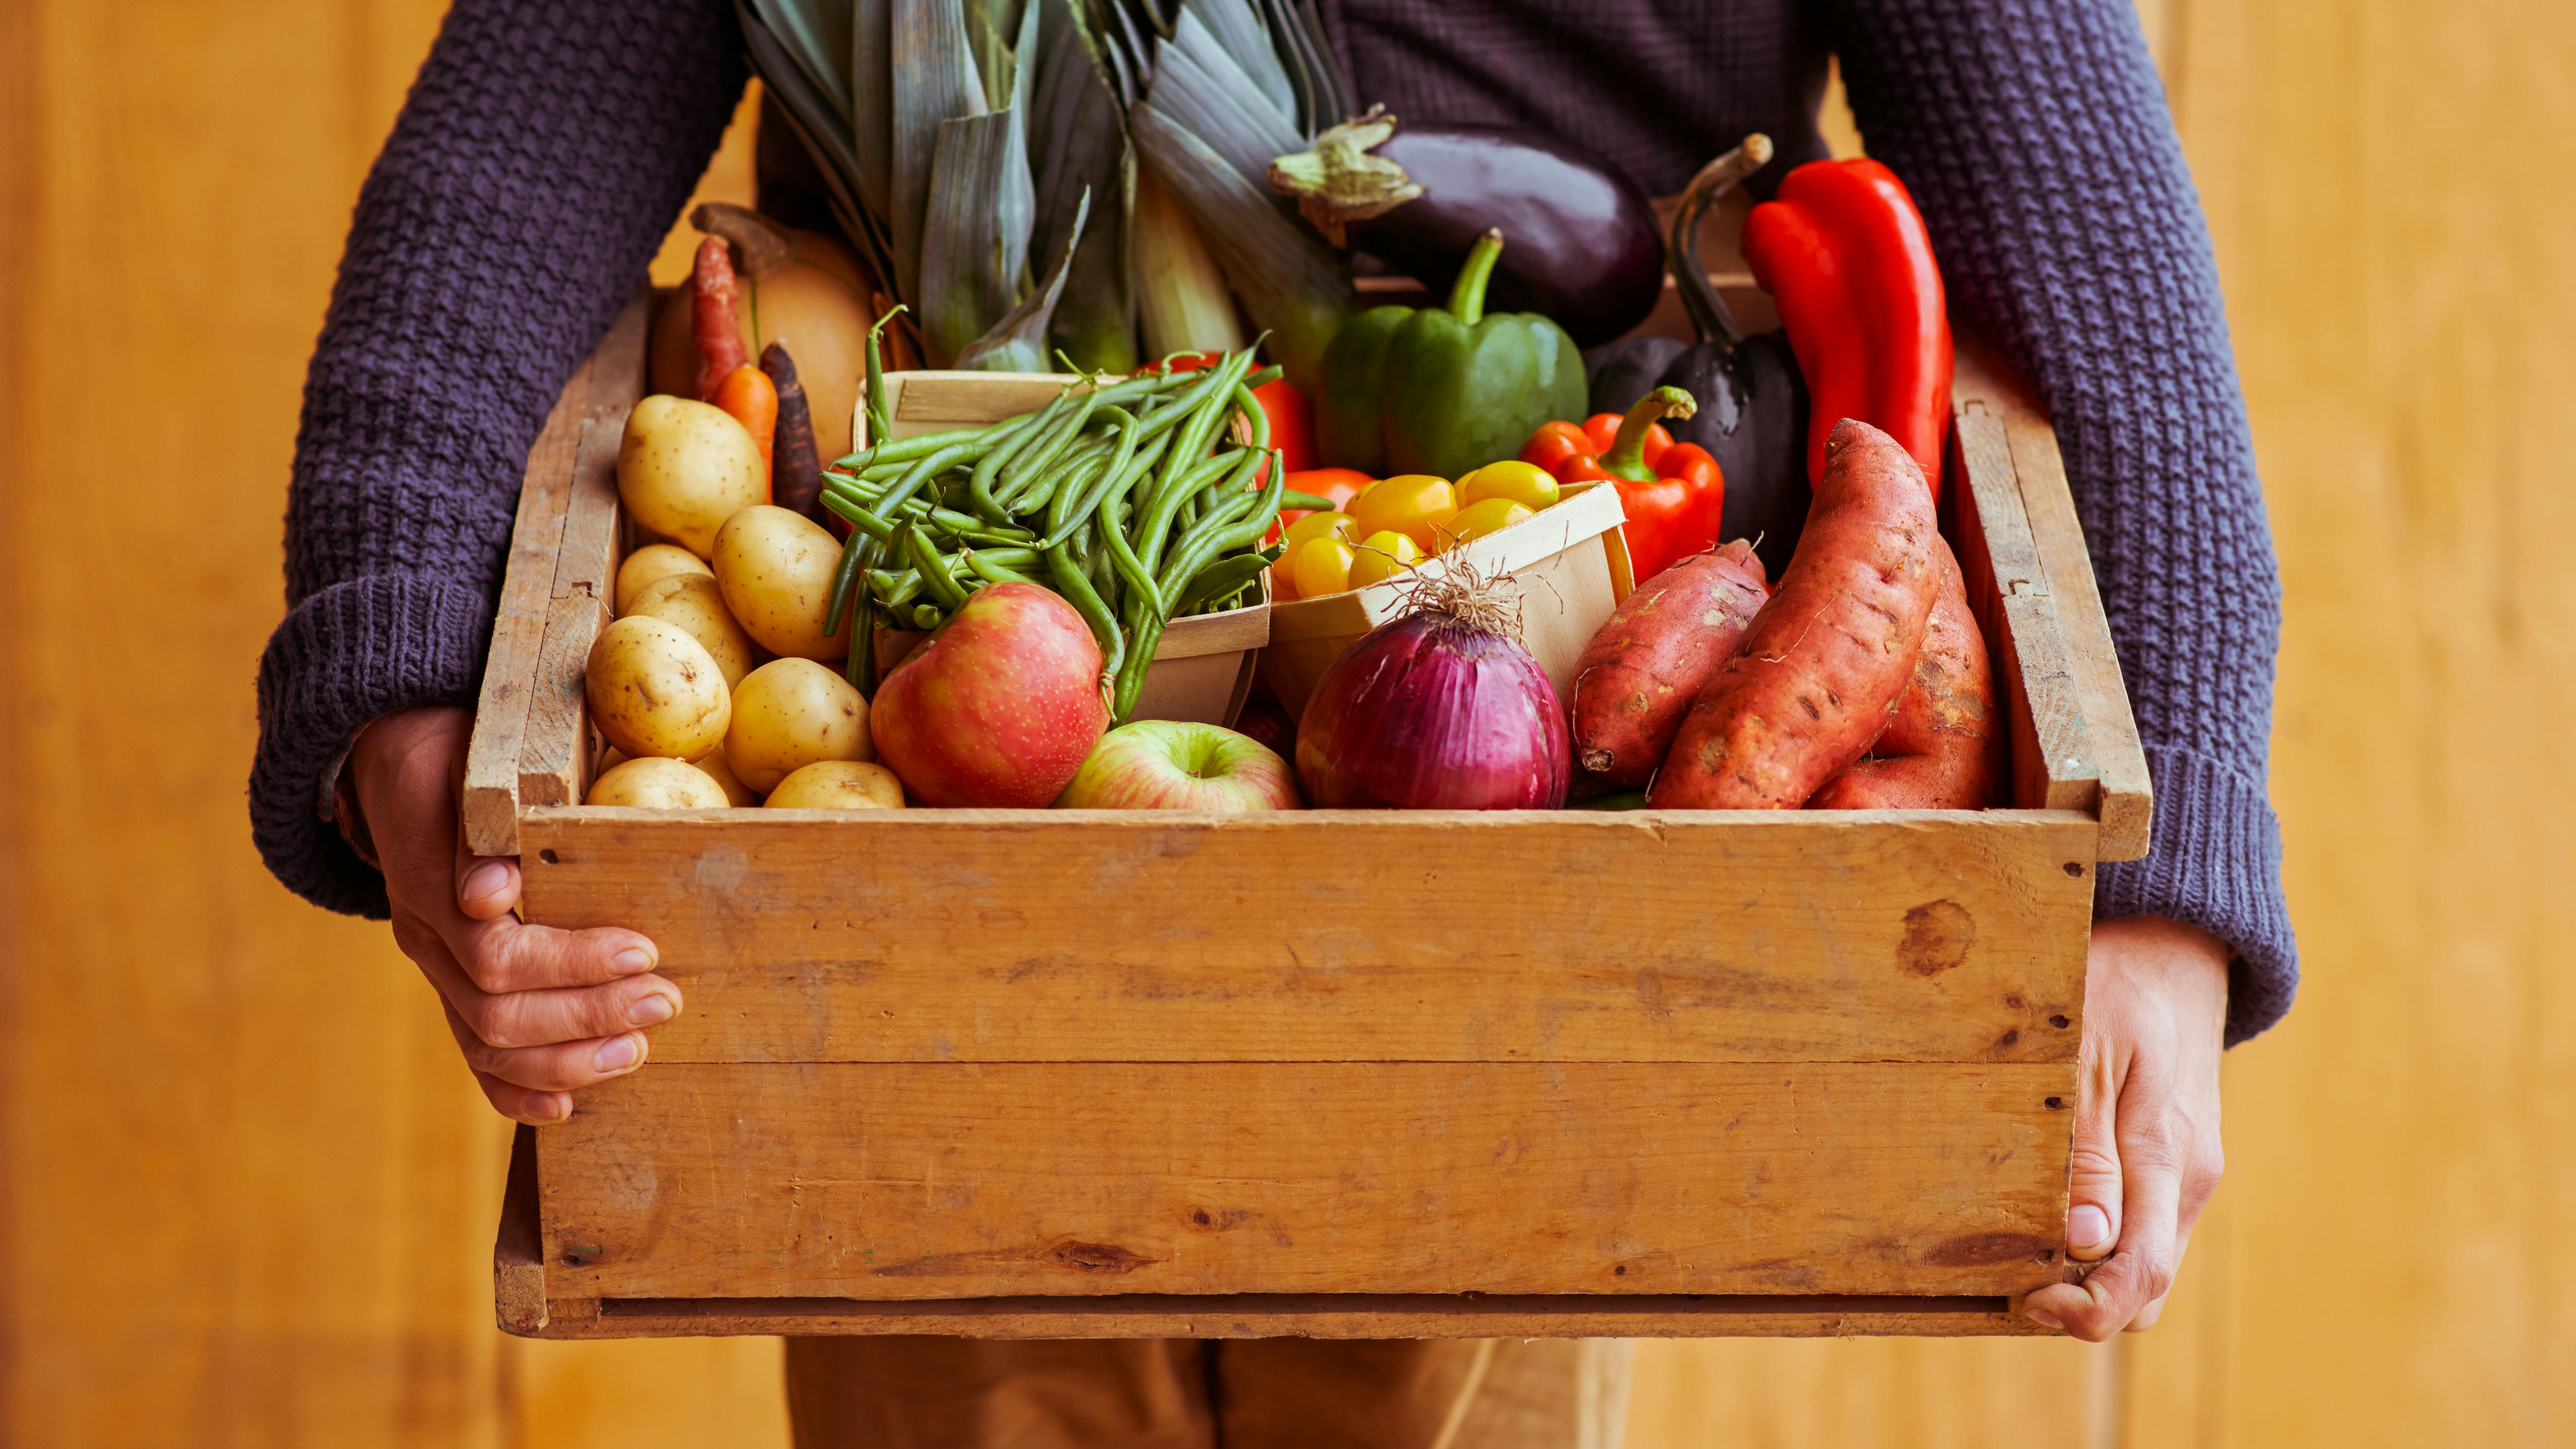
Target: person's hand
x=2146 y=1122
x=539 y=1012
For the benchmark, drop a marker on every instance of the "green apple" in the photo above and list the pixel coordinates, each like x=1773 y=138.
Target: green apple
x=1169 y=764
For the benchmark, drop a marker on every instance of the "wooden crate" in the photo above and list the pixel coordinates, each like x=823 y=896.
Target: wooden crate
x=1355 y=1074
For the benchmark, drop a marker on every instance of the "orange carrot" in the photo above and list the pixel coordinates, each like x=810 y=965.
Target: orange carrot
x=752 y=398
x=714 y=319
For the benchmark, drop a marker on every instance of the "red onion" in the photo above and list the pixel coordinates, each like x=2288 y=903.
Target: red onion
x=1442 y=709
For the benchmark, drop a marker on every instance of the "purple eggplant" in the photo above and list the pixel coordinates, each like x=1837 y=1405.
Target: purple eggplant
x=1752 y=399
x=1581 y=244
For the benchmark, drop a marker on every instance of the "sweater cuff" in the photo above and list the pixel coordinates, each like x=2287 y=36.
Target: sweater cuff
x=2214 y=862
x=341 y=658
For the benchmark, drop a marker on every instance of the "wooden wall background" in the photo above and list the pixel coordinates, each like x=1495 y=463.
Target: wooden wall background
x=246 y=1192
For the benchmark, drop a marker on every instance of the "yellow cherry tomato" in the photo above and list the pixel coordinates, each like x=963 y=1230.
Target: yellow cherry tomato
x=1283 y=574
x=1322 y=566
x=1416 y=505
x=1381 y=556
x=1478 y=519
x=1523 y=483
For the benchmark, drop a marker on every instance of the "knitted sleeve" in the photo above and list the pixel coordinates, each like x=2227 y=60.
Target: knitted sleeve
x=545 y=149
x=2035 y=137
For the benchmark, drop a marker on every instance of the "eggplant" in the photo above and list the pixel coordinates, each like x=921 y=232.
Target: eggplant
x=1580 y=241
x=1752 y=399
x=1616 y=374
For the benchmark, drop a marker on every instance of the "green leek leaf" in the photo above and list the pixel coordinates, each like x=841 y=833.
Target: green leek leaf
x=1018 y=343
x=934 y=82
x=974 y=240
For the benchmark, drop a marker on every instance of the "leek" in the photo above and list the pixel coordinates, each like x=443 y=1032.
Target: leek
x=1018 y=343
x=975 y=233
x=934 y=82
x=1084 y=167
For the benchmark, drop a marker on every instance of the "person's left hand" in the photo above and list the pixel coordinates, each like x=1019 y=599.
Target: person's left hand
x=2146 y=1122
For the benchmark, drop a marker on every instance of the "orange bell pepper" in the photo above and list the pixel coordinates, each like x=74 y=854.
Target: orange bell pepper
x=1673 y=493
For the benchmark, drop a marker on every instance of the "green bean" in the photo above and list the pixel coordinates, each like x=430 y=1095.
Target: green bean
x=894 y=588
x=1031 y=466
x=1155 y=519
x=1307 y=501
x=1228 y=488
x=934 y=570
x=991 y=571
x=1243 y=530
x=979 y=488
x=861 y=666
x=1225 y=576
x=1132 y=570
x=845 y=583
x=1059 y=513
x=865 y=520
x=1113 y=483
x=1253 y=412
x=927 y=617
x=1077 y=591
x=880 y=422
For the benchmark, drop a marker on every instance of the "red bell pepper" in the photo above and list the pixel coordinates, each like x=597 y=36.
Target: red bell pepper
x=1846 y=255
x=1673 y=493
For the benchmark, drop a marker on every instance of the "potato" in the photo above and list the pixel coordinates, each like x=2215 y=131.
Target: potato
x=650 y=565
x=839 y=785
x=654 y=690
x=657 y=784
x=736 y=792
x=693 y=602
x=685 y=467
x=775 y=567
x=789 y=713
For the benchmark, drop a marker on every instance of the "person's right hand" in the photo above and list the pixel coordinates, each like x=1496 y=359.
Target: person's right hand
x=539 y=1012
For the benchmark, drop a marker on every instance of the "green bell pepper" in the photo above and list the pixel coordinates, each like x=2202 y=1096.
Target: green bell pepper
x=1444 y=391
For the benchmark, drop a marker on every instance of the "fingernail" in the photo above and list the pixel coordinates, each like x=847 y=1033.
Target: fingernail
x=484 y=879
x=632 y=961
x=548 y=1108
x=2087 y=1227
x=650 y=1010
x=2044 y=1319
x=618 y=1053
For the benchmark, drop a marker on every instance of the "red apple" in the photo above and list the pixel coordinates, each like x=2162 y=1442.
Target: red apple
x=999 y=708
x=1169 y=764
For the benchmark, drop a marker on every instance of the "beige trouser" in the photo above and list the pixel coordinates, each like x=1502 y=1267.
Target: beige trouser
x=1188 y=1393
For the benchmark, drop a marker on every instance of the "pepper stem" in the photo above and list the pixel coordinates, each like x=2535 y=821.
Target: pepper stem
x=1467 y=299
x=1627 y=455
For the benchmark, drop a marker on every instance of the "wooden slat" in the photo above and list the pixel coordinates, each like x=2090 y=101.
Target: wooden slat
x=518 y=1250
x=587 y=561
x=1988 y=398
x=1313 y=1315
x=1633 y=936
x=555 y=757
x=491 y=804
x=2052 y=757
x=973 y=1180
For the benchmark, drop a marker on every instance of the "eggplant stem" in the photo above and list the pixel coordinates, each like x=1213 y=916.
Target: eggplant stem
x=1708 y=311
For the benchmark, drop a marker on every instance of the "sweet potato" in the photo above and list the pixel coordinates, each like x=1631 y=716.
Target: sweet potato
x=1820 y=670
x=1639 y=675
x=1944 y=749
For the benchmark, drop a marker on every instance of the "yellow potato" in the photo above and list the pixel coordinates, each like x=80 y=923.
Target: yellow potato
x=685 y=467
x=839 y=785
x=657 y=784
x=775 y=567
x=736 y=792
x=693 y=602
x=650 y=565
x=789 y=713
x=654 y=690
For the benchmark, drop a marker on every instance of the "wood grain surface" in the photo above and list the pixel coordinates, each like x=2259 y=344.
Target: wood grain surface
x=978 y=1180
x=249 y=1192
x=974 y=936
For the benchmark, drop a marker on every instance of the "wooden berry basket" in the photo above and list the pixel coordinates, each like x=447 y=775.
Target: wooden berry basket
x=1358 y=1074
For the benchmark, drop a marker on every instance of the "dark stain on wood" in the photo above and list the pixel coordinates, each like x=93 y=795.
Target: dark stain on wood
x=1937 y=937
x=1982 y=1249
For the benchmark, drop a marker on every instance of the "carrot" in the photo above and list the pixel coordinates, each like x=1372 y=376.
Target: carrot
x=1944 y=749
x=1639 y=675
x=796 y=465
x=1821 y=669
x=714 y=317
x=748 y=394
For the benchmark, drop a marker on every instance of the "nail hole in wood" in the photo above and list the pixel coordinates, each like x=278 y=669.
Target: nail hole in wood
x=2055 y=1104
x=2061 y=1023
x=548 y=857
x=2075 y=868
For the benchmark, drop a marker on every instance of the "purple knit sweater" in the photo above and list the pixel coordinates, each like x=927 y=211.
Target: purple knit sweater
x=549 y=144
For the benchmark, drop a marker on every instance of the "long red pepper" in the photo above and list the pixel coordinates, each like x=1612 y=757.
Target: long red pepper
x=1846 y=255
